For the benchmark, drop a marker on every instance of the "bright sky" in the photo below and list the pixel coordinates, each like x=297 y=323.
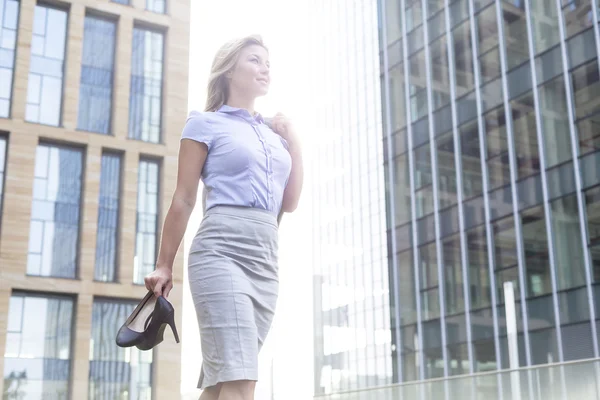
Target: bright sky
x=286 y=360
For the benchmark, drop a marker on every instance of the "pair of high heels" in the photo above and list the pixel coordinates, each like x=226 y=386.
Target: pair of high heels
x=146 y=325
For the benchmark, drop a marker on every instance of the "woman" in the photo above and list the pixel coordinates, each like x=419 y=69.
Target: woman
x=252 y=172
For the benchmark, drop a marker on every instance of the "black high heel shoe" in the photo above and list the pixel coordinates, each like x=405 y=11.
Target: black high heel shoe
x=146 y=325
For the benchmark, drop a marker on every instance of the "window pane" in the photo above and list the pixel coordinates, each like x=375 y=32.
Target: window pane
x=463 y=59
x=497 y=148
x=147 y=220
x=115 y=372
x=393 y=23
x=586 y=87
x=418 y=86
x=515 y=33
x=555 y=123
x=9 y=17
x=446 y=170
x=397 y=98
x=158 y=6
x=97 y=65
x=440 y=77
x=44 y=98
x=592 y=201
x=535 y=247
x=55 y=212
x=471 y=160
x=455 y=299
x=145 y=102
x=568 y=246
x=544 y=23
x=479 y=275
x=108 y=218
x=126 y=2
x=577 y=16
x=489 y=56
x=406 y=286
x=505 y=255
x=402 y=189
x=430 y=295
x=423 y=181
x=525 y=135
x=37 y=358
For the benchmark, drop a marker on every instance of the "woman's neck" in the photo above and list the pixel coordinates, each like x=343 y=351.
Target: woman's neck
x=237 y=101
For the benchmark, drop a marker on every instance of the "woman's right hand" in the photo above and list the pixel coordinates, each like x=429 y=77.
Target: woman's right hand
x=160 y=281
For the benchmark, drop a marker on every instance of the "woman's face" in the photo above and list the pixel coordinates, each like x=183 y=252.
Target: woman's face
x=251 y=73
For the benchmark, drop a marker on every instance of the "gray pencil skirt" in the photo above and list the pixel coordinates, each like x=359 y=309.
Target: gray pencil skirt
x=233 y=277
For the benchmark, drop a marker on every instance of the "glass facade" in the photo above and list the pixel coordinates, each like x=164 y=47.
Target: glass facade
x=147 y=220
x=37 y=358
x=97 y=74
x=145 y=102
x=9 y=19
x=108 y=218
x=115 y=372
x=46 y=71
x=492 y=163
x=55 y=212
x=351 y=283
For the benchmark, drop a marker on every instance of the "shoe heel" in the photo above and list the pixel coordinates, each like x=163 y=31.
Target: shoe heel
x=171 y=322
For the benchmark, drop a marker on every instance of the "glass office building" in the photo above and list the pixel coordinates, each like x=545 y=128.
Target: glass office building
x=351 y=307
x=491 y=120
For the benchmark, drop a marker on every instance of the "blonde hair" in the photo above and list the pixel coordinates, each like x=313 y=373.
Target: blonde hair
x=224 y=61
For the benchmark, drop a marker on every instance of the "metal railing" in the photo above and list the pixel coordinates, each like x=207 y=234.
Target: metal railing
x=578 y=380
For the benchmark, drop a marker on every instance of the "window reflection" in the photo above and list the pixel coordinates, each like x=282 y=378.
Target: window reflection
x=108 y=218
x=525 y=136
x=147 y=220
x=515 y=33
x=544 y=24
x=555 y=123
x=592 y=201
x=455 y=301
x=45 y=87
x=37 y=357
x=9 y=18
x=97 y=67
x=430 y=294
x=397 y=98
x=446 y=171
x=505 y=255
x=402 y=189
x=463 y=59
x=568 y=246
x=471 y=160
x=115 y=372
x=535 y=248
x=440 y=88
x=479 y=275
x=577 y=16
x=145 y=102
x=393 y=21
x=406 y=286
x=418 y=86
x=55 y=212
x=497 y=148
x=488 y=39
x=587 y=108
x=423 y=181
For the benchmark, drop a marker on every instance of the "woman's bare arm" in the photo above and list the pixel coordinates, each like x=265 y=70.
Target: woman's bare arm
x=192 y=156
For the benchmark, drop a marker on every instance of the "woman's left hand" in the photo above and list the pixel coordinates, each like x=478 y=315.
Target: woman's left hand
x=283 y=126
